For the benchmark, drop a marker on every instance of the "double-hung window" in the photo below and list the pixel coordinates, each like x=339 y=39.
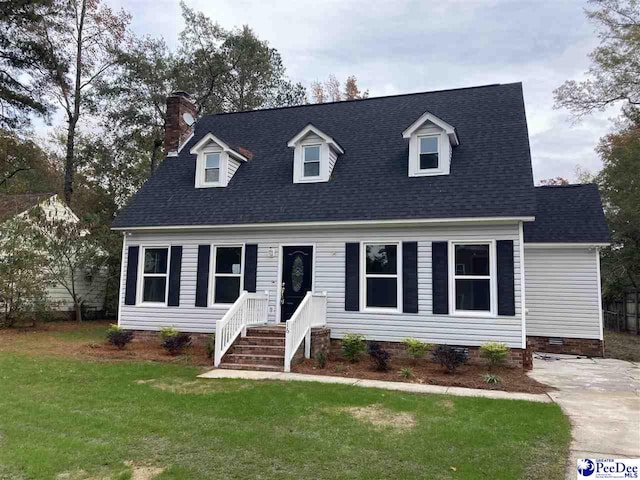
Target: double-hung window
x=473 y=277
x=382 y=287
x=311 y=160
x=227 y=273
x=428 y=152
x=154 y=275
x=212 y=168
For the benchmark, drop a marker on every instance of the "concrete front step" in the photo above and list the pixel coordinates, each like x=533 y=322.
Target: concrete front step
x=250 y=340
x=240 y=366
x=249 y=359
x=258 y=349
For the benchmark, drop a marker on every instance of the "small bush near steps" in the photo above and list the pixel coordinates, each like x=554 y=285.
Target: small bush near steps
x=379 y=356
x=488 y=378
x=353 y=345
x=176 y=343
x=449 y=357
x=495 y=353
x=166 y=332
x=321 y=358
x=406 y=373
x=415 y=348
x=118 y=337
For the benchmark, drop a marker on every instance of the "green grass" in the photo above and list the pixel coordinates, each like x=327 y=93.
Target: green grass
x=87 y=418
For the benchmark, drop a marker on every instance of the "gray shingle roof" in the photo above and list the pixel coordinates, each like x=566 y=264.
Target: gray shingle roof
x=490 y=170
x=568 y=214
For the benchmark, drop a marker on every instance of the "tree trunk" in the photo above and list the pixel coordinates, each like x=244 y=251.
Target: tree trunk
x=78 y=309
x=69 y=163
x=157 y=143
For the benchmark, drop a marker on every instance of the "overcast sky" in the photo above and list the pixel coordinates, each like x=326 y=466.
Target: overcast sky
x=405 y=46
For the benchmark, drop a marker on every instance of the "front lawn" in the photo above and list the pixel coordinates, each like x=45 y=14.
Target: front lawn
x=77 y=418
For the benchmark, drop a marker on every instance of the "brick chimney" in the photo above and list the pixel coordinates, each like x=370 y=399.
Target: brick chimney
x=177 y=128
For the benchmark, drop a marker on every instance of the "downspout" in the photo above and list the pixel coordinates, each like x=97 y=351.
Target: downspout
x=523 y=304
x=120 y=289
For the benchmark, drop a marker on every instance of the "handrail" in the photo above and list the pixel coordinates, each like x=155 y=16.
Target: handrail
x=248 y=309
x=312 y=312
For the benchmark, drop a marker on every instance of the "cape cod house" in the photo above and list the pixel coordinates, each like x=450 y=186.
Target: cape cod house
x=404 y=216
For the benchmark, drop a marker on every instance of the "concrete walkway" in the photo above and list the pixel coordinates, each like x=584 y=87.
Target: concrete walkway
x=398 y=386
x=602 y=399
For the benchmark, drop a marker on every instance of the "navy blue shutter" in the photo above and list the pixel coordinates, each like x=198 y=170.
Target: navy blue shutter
x=132 y=276
x=506 y=278
x=202 y=276
x=440 y=277
x=175 y=267
x=352 y=277
x=250 y=267
x=410 y=277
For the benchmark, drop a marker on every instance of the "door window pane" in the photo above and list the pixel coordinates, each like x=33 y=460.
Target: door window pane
x=382 y=259
x=154 y=289
x=228 y=259
x=472 y=260
x=473 y=294
x=227 y=289
x=382 y=292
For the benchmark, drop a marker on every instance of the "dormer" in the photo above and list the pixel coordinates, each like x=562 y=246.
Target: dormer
x=216 y=162
x=314 y=155
x=430 y=146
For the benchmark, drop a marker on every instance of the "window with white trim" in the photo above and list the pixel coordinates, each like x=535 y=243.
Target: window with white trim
x=428 y=152
x=311 y=160
x=381 y=270
x=227 y=273
x=154 y=274
x=212 y=168
x=473 y=277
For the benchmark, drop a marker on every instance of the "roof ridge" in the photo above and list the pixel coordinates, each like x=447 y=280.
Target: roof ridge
x=363 y=99
x=570 y=185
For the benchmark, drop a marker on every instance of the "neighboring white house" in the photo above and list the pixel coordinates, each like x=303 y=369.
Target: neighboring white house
x=20 y=206
x=404 y=216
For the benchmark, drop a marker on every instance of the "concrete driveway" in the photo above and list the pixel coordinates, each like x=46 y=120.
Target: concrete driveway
x=602 y=399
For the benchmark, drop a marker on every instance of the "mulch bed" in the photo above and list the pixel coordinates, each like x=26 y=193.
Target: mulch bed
x=424 y=372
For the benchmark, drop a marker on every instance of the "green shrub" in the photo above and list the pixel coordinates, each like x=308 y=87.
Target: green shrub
x=166 y=332
x=495 y=353
x=321 y=358
x=211 y=346
x=353 y=345
x=118 y=337
x=491 y=378
x=415 y=348
x=406 y=373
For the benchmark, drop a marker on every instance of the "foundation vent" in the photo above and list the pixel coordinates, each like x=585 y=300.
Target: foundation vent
x=556 y=341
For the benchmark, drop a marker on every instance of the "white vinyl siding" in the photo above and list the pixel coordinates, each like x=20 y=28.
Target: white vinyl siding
x=329 y=276
x=562 y=292
x=232 y=166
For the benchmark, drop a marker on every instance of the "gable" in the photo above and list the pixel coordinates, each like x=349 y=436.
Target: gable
x=490 y=172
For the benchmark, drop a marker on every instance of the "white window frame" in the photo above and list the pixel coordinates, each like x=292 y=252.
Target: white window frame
x=319 y=161
x=364 y=275
x=492 y=277
x=438 y=152
x=204 y=171
x=142 y=275
x=201 y=164
x=213 y=274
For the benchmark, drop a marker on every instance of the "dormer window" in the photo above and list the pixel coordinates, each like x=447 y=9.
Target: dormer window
x=428 y=152
x=212 y=168
x=216 y=162
x=311 y=160
x=314 y=155
x=431 y=142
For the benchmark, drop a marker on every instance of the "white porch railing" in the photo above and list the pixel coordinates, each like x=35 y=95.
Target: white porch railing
x=248 y=309
x=312 y=312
